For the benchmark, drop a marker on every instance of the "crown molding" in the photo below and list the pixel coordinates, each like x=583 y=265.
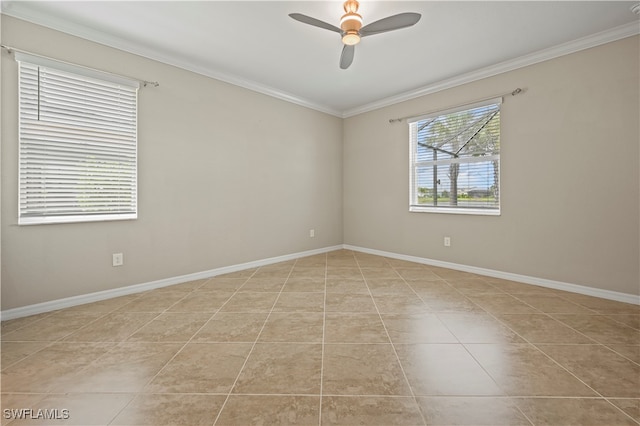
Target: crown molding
x=248 y=84
x=567 y=48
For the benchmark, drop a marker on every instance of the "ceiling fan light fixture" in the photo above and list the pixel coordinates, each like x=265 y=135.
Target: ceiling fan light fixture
x=350 y=38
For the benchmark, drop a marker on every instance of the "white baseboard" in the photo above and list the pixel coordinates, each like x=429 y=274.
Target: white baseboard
x=525 y=279
x=138 y=288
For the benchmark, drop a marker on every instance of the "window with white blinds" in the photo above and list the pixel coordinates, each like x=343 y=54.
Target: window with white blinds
x=78 y=143
x=455 y=160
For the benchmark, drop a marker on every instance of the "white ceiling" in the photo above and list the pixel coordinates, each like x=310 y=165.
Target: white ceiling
x=256 y=45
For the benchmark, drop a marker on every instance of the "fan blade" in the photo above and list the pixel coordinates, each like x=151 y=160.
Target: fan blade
x=346 y=58
x=315 y=22
x=390 y=23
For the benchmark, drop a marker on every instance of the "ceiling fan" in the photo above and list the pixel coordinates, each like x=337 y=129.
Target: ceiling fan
x=351 y=29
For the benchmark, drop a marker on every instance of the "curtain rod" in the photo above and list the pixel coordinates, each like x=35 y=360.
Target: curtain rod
x=515 y=92
x=143 y=82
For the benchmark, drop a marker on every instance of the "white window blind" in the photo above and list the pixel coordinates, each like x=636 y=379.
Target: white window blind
x=78 y=143
x=455 y=160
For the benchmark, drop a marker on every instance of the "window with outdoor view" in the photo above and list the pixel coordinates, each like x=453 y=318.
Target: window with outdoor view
x=455 y=160
x=78 y=143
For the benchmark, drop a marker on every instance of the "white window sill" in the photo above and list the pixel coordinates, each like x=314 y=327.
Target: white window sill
x=450 y=210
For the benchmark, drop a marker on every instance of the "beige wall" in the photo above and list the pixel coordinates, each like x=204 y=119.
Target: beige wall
x=226 y=176
x=570 y=184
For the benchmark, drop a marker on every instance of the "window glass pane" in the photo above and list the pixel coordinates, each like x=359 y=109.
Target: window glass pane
x=462 y=134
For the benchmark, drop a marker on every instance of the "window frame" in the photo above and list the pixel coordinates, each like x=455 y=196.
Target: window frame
x=414 y=164
x=124 y=154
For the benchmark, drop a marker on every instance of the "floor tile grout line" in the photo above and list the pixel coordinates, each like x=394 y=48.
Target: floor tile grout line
x=595 y=312
x=233 y=385
x=564 y=300
x=5 y=367
x=443 y=396
x=619 y=354
x=45 y=315
x=395 y=352
x=521 y=411
x=619 y=324
x=498 y=290
x=620 y=410
x=324 y=323
x=610 y=316
x=355 y=395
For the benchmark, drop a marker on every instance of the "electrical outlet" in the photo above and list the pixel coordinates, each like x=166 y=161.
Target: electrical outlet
x=312 y=233
x=447 y=241
x=117 y=259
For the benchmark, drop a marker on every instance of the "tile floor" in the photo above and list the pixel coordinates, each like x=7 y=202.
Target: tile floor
x=339 y=338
